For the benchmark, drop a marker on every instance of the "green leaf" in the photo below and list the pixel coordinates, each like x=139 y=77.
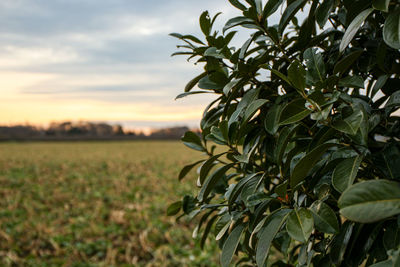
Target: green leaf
x=208 y=84
x=205 y=23
x=207 y=166
x=323 y=12
x=213 y=52
x=300 y=224
x=380 y=82
x=230 y=245
x=370 y=201
x=284 y=137
x=345 y=173
x=353 y=28
x=340 y=242
x=270 y=7
x=382 y=5
x=252 y=108
x=192 y=140
x=293 y=112
x=325 y=219
x=212 y=180
x=236 y=22
x=394 y=100
x=229 y=86
x=190 y=93
x=281 y=189
x=315 y=65
x=187 y=169
x=267 y=234
x=281 y=75
x=351 y=124
x=271 y=122
x=188 y=204
x=257 y=4
x=207 y=230
x=289 y=13
x=174 y=208
x=238 y=188
x=305 y=164
x=192 y=38
x=391 y=237
x=238 y=5
x=352 y=82
x=194 y=81
x=391 y=161
x=297 y=74
x=391 y=30
x=345 y=63
x=249 y=97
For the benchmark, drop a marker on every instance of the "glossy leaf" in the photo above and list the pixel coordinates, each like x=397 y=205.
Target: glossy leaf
x=323 y=12
x=305 y=164
x=281 y=75
x=370 y=201
x=315 y=65
x=192 y=140
x=300 y=224
x=207 y=166
x=253 y=107
x=174 y=208
x=293 y=112
x=187 y=169
x=382 y=5
x=353 y=28
x=289 y=13
x=209 y=184
x=194 y=81
x=296 y=74
x=205 y=23
x=270 y=7
x=238 y=188
x=190 y=93
x=394 y=100
x=236 y=22
x=391 y=30
x=208 y=84
x=229 y=86
x=345 y=173
x=325 y=219
x=340 y=242
x=272 y=119
x=267 y=234
x=237 y=4
x=231 y=244
x=352 y=82
x=351 y=124
x=345 y=63
x=284 y=137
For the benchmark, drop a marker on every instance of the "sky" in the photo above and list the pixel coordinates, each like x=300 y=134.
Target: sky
x=99 y=60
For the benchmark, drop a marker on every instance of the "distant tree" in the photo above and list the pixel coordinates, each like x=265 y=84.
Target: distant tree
x=308 y=162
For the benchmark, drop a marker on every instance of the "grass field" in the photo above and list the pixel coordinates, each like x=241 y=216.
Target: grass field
x=95 y=204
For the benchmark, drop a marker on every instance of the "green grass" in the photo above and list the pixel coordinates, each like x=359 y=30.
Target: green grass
x=95 y=204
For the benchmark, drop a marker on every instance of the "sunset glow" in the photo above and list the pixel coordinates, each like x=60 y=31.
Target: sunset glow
x=110 y=61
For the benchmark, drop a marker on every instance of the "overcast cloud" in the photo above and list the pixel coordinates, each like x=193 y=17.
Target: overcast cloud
x=110 y=52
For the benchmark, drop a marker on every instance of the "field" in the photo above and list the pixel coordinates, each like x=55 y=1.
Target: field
x=95 y=204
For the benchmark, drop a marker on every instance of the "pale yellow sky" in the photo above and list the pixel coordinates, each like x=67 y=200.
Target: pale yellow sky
x=17 y=107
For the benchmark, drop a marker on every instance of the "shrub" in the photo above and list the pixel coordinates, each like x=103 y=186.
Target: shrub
x=302 y=140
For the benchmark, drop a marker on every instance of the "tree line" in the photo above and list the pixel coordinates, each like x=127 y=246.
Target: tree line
x=84 y=131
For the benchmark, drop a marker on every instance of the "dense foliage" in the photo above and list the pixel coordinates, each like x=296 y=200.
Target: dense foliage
x=308 y=155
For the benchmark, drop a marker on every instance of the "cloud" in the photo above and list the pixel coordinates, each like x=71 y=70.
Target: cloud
x=99 y=51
